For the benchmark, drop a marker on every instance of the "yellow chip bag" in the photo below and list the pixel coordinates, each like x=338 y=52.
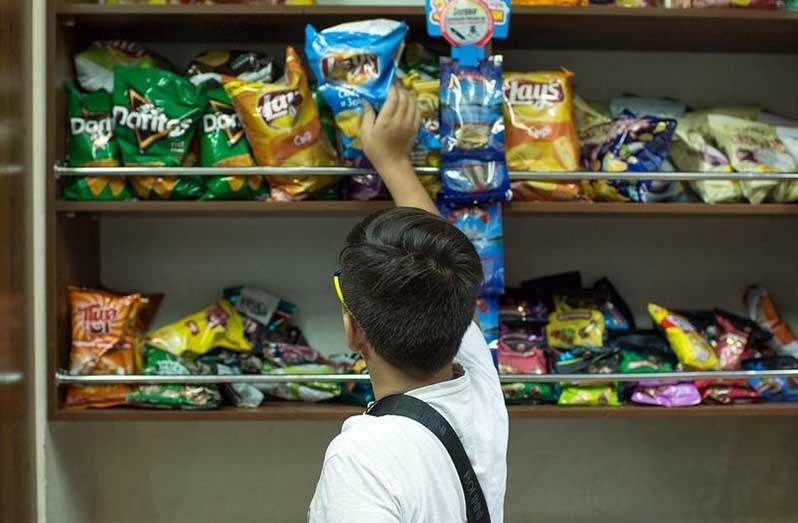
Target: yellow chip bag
x=219 y=325
x=282 y=125
x=690 y=347
x=570 y=327
x=540 y=134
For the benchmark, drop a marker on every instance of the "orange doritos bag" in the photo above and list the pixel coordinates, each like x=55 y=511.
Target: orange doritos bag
x=102 y=343
x=540 y=134
x=282 y=124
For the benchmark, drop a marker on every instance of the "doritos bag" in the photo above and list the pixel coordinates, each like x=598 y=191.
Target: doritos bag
x=353 y=61
x=282 y=124
x=539 y=125
x=90 y=143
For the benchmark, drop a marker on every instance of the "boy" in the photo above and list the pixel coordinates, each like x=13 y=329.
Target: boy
x=408 y=285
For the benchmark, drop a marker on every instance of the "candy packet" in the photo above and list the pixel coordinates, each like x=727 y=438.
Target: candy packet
x=666 y=394
x=219 y=325
x=761 y=308
x=283 y=127
x=726 y=391
x=787 y=191
x=95 y=64
x=483 y=226
x=593 y=396
x=529 y=393
x=354 y=61
x=574 y=327
x=540 y=134
x=688 y=345
x=472 y=132
x=90 y=143
x=774 y=389
x=617 y=314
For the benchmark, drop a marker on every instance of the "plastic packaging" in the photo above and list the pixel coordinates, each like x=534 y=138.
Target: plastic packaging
x=688 y=345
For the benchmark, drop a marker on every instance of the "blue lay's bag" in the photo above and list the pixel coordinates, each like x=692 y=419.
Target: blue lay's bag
x=473 y=167
x=482 y=224
x=353 y=61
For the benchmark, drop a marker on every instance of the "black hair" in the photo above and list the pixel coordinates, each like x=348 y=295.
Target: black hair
x=410 y=280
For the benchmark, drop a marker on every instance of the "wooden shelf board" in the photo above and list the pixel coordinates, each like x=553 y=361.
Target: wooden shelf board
x=344 y=207
x=596 y=27
x=290 y=411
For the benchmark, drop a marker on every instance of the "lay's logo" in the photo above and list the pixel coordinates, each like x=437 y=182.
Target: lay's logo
x=272 y=106
x=353 y=69
x=536 y=94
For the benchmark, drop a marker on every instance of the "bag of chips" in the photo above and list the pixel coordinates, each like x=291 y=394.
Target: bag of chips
x=219 y=325
x=540 y=134
x=353 y=61
x=752 y=147
x=90 y=143
x=634 y=144
x=95 y=64
x=282 y=125
x=472 y=132
x=102 y=343
x=762 y=310
x=483 y=226
x=574 y=327
x=787 y=191
x=689 y=346
x=210 y=66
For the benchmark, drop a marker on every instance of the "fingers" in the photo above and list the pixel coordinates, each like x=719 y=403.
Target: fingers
x=391 y=103
x=402 y=106
x=417 y=119
x=367 y=123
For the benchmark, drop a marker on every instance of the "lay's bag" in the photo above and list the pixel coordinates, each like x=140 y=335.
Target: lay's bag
x=353 y=61
x=282 y=124
x=540 y=134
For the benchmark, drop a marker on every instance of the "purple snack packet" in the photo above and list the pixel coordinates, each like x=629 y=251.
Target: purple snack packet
x=666 y=394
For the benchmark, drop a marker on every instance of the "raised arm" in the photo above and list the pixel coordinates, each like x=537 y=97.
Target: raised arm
x=387 y=140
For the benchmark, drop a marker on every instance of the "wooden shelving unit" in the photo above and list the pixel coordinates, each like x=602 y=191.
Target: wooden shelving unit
x=73 y=236
x=287 y=411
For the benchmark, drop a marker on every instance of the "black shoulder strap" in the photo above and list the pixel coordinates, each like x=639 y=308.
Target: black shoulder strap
x=420 y=411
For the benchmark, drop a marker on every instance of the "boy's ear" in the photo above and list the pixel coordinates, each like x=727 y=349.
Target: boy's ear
x=351 y=331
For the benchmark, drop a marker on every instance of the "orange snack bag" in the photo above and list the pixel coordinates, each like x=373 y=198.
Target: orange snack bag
x=540 y=134
x=102 y=343
x=282 y=124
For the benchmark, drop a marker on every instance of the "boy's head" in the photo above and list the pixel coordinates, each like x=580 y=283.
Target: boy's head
x=410 y=280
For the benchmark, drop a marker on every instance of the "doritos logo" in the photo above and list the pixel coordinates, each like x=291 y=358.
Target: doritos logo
x=539 y=95
x=223 y=118
x=148 y=121
x=99 y=127
x=353 y=69
x=272 y=106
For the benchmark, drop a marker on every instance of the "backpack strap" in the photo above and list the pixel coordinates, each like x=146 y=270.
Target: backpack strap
x=423 y=413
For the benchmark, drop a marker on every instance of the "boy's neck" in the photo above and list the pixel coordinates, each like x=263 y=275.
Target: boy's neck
x=387 y=380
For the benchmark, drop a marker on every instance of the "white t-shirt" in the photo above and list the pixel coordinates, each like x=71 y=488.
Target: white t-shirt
x=393 y=469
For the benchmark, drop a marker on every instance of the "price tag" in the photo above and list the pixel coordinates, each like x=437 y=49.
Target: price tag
x=467 y=23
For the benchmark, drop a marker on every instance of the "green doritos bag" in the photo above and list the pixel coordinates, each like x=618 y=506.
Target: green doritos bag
x=90 y=143
x=224 y=144
x=157 y=113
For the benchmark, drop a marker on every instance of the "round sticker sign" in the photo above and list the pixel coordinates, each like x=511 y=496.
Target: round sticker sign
x=467 y=22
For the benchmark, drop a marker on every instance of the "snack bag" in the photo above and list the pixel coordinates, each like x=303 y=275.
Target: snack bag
x=427 y=150
x=731 y=344
x=569 y=327
x=211 y=66
x=95 y=64
x=102 y=330
x=540 y=134
x=563 y=3
x=726 y=391
x=282 y=125
x=774 y=389
x=762 y=310
x=787 y=191
x=483 y=226
x=529 y=393
x=487 y=312
x=634 y=144
x=666 y=394
x=689 y=346
x=541 y=191
x=637 y=106
x=752 y=147
x=352 y=61
x=90 y=143
x=156 y=113
x=170 y=187
x=592 y=396
x=219 y=325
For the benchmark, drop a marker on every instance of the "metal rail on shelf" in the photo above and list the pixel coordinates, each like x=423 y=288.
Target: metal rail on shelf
x=63 y=378
x=349 y=171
